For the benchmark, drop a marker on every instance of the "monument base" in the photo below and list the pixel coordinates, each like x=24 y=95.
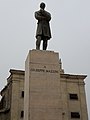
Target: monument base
x=42 y=86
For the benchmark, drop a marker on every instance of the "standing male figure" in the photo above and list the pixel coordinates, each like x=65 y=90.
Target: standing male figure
x=43 y=28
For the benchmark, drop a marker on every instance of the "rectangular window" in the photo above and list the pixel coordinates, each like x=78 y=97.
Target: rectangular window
x=75 y=115
x=22 y=114
x=22 y=94
x=73 y=96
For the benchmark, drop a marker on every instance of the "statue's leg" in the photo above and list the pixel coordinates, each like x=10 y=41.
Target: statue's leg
x=45 y=42
x=38 y=41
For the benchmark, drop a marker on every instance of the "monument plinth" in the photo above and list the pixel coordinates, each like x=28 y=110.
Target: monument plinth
x=42 y=86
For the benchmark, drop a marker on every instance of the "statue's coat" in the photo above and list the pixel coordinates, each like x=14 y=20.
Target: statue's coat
x=43 y=27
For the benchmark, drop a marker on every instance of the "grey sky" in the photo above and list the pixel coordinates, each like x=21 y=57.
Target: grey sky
x=70 y=35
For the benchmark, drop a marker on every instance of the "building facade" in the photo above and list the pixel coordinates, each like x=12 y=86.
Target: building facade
x=11 y=105
x=73 y=97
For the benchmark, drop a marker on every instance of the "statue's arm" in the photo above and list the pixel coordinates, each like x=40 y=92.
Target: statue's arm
x=47 y=15
x=39 y=17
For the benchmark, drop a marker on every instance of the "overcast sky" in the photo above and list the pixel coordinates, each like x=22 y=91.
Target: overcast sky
x=70 y=26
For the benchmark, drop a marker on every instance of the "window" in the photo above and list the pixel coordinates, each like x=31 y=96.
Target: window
x=22 y=94
x=75 y=115
x=73 y=96
x=22 y=114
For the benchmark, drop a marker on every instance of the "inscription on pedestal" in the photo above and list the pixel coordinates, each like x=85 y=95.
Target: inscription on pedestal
x=43 y=70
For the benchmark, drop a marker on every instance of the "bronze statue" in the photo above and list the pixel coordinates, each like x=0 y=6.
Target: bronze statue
x=43 y=28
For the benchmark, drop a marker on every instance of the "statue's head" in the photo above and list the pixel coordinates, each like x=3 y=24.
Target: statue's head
x=42 y=5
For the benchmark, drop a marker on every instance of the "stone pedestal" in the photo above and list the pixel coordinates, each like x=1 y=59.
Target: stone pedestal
x=42 y=86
